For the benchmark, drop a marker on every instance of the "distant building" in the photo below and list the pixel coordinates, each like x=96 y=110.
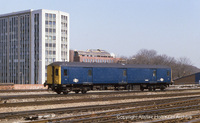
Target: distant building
x=29 y=41
x=71 y=55
x=190 y=79
x=93 y=56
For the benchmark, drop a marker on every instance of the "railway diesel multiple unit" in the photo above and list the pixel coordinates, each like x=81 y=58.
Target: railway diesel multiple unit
x=75 y=76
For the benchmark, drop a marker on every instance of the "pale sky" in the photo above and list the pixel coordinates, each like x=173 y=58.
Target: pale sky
x=123 y=27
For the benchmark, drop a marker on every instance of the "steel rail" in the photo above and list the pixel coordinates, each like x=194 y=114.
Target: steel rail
x=139 y=114
x=36 y=113
x=188 y=119
x=108 y=115
x=37 y=90
x=91 y=99
x=72 y=94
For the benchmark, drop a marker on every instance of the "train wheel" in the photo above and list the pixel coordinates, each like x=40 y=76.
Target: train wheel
x=65 y=92
x=77 y=91
x=141 y=88
x=116 y=88
x=150 y=88
x=58 y=91
x=84 y=91
x=162 y=87
x=128 y=87
x=154 y=88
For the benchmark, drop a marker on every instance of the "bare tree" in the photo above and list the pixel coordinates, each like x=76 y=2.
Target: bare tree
x=183 y=67
x=180 y=67
x=143 y=57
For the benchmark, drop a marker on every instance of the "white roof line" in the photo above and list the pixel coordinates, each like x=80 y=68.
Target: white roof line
x=15 y=13
x=26 y=11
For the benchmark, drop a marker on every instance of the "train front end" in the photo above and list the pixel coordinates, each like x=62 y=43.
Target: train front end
x=54 y=78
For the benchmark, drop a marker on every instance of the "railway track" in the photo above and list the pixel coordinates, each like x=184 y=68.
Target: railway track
x=86 y=98
x=178 y=95
x=189 y=119
x=96 y=108
x=112 y=91
x=77 y=95
x=126 y=115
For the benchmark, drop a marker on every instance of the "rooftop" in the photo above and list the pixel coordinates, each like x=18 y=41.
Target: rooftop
x=94 y=53
x=112 y=65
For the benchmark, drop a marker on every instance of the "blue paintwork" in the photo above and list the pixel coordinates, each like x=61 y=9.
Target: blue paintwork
x=64 y=79
x=162 y=74
x=79 y=73
x=138 y=75
x=197 y=78
x=107 y=75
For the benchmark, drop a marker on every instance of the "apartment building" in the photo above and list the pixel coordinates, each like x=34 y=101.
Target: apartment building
x=29 y=41
x=93 y=56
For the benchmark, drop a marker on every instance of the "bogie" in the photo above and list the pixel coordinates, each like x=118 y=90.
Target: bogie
x=77 y=91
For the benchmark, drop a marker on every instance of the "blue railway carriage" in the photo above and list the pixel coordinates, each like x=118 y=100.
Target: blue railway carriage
x=75 y=76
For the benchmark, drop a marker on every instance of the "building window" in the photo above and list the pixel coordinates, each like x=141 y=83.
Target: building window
x=154 y=73
x=56 y=72
x=65 y=72
x=54 y=15
x=89 y=72
x=124 y=73
x=46 y=22
x=54 y=37
x=46 y=37
x=168 y=73
x=50 y=15
x=50 y=38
